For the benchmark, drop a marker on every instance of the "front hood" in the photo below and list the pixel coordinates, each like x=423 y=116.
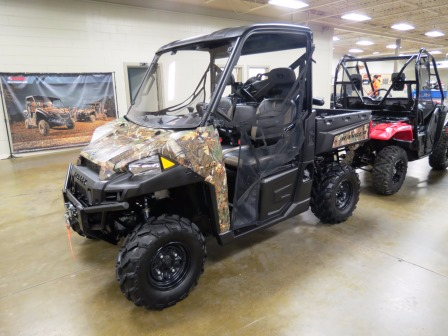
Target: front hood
x=123 y=142
x=120 y=142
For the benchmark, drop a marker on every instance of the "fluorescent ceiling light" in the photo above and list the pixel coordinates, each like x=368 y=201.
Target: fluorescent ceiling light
x=335 y=38
x=402 y=26
x=376 y=52
x=364 y=43
x=355 y=17
x=435 y=52
x=391 y=46
x=355 y=50
x=434 y=33
x=288 y=3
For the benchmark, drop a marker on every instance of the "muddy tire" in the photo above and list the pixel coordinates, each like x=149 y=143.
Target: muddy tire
x=27 y=124
x=161 y=261
x=92 y=118
x=389 y=170
x=44 y=128
x=438 y=160
x=71 y=124
x=335 y=193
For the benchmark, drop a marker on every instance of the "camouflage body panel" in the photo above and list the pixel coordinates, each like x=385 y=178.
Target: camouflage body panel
x=199 y=150
x=355 y=135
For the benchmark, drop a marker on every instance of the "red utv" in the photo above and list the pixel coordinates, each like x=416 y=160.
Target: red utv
x=408 y=115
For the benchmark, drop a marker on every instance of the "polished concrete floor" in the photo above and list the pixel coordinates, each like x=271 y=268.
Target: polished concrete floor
x=382 y=272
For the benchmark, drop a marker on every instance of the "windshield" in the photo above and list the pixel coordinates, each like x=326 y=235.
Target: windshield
x=176 y=87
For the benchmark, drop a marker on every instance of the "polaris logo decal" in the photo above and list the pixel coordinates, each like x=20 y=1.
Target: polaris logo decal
x=81 y=179
x=355 y=135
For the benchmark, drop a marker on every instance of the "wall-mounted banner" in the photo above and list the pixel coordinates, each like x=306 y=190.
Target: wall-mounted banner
x=47 y=111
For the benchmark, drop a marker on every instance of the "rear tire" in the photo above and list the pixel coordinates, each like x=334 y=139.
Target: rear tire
x=27 y=124
x=389 y=170
x=438 y=160
x=335 y=193
x=44 y=128
x=161 y=261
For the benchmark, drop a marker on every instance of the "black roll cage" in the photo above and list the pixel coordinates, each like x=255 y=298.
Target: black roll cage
x=423 y=53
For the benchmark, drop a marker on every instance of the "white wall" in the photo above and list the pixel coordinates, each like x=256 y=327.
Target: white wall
x=87 y=36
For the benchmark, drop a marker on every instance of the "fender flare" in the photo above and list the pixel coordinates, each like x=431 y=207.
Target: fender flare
x=398 y=131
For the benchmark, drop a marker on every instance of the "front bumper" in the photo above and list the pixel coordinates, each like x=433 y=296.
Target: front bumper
x=59 y=122
x=79 y=212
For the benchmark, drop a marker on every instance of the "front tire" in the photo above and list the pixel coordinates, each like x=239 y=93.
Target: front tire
x=389 y=170
x=438 y=160
x=335 y=193
x=44 y=127
x=161 y=261
x=92 y=118
x=71 y=124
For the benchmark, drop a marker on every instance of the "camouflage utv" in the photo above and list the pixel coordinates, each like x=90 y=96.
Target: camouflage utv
x=91 y=112
x=45 y=113
x=199 y=154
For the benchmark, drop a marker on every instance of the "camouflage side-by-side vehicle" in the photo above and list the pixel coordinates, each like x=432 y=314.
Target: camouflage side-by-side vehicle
x=91 y=112
x=45 y=113
x=199 y=154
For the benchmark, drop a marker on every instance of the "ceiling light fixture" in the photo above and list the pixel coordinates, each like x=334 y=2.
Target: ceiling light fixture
x=364 y=43
x=402 y=26
x=288 y=3
x=335 y=38
x=435 y=52
x=355 y=17
x=391 y=46
x=375 y=52
x=354 y=50
x=434 y=33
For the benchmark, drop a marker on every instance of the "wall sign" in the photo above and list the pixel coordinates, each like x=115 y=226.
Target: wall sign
x=48 y=111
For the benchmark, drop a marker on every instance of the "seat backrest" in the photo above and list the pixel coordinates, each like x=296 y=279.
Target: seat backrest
x=356 y=80
x=278 y=83
x=273 y=115
x=225 y=106
x=399 y=83
x=244 y=115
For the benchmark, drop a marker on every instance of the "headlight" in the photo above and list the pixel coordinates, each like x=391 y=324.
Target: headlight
x=146 y=166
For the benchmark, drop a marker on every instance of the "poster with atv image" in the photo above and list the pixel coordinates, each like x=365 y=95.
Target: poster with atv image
x=53 y=111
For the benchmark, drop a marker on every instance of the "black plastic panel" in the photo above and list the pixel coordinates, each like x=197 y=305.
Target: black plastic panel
x=330 y=123
x=276 y=192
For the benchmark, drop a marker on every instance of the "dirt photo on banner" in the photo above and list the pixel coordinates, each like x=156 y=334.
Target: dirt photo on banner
x=50 y=111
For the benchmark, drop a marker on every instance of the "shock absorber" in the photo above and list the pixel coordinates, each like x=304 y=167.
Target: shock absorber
x=145 y=207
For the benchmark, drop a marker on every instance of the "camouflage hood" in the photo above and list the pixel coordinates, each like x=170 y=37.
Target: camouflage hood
x=120 y=142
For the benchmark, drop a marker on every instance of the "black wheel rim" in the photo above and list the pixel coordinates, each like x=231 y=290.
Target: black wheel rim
x=398 y=172
x=344 y=195
x=169 y=266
